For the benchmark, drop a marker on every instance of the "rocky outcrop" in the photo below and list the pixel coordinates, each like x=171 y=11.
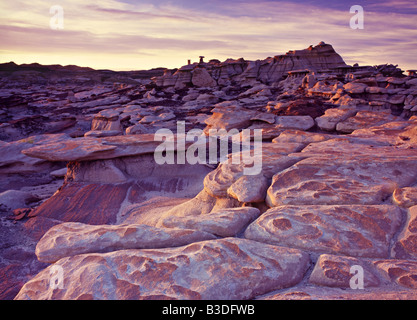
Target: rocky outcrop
x=73 y=238
x=202 y=270
x=366 y=230
x=270 y=70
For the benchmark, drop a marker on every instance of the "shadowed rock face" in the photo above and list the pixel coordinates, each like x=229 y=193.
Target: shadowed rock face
x=334 y=189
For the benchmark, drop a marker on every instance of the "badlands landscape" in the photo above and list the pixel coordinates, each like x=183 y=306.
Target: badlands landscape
x=86 y=211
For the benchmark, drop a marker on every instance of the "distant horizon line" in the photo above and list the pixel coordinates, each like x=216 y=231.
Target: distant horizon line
x=160 y=67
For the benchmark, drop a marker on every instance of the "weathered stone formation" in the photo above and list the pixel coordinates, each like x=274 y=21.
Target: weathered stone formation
x=336 y=189
x=270 y=70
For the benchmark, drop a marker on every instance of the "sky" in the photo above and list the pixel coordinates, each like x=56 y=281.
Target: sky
x=137 y=35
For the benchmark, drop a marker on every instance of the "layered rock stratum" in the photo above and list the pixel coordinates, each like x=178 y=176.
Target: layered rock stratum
x=82 y=192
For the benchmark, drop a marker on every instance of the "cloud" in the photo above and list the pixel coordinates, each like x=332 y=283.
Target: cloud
x=171 y=32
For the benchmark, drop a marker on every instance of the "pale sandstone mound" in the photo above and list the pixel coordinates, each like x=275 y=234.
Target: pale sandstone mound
x=354 y=230
x=336 y=277
x=272 y=158
x=72 y=238
x=335 y=271
x=89 y=148
x=295 y=122
x=367 y=180
x=229 y=116
x=332 y=117
x=217 y=269
x=364 y=119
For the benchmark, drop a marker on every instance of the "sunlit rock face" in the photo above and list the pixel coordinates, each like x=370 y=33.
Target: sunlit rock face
x=323 y=191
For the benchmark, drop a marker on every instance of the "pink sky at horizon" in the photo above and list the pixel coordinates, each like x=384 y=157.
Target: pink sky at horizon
x=135 y=35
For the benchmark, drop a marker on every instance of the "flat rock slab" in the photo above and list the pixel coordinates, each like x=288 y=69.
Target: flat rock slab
x=339 y=271
x=222 y=269
x=332 y=117
x=249 y=188
x=365 y=119
x=70 y=150
x=72 y=238
x=351 y=147
x=90 y=148
x=354 y=230
x=319 y=181
x=229 y=117
x=295 y=122
x=298 y=136
x=11 y=153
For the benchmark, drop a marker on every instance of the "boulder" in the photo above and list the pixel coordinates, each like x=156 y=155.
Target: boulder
x=106 y=120
x=332 y=117
x=222 y=269
x=137 y=129
x=353 y=230
x=225 y=117
x=249 y=188
x=335 y=271
x=364 y=119
x=202 y=78
x=273 y=158
x=73 y=238
x=319 y=181
x=295 y=122
x=355 y=87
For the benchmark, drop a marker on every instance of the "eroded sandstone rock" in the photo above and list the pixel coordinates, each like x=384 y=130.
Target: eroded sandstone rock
x=354 y=230
x=402 y=272
x=217 y=269
x=73 y=238
x=317 y=181
x=332 y=117
x=338 y=271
